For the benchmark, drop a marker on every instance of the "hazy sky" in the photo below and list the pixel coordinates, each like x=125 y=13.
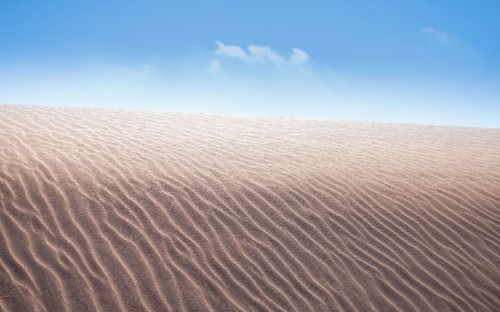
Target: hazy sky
x=430 y=61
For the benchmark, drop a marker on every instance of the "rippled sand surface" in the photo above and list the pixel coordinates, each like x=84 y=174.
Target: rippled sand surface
x=144 y=211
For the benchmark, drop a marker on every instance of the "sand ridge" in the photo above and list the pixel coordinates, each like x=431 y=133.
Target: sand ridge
x=145 y=211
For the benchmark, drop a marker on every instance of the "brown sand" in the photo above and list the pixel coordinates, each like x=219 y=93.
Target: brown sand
x=118 y=210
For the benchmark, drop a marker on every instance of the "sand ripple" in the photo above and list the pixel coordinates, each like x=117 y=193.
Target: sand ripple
x=142 y=211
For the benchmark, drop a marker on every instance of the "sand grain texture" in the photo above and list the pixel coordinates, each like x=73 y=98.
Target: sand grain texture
x=143 y=211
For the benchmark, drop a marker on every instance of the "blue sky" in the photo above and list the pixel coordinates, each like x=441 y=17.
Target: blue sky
x=430 y=62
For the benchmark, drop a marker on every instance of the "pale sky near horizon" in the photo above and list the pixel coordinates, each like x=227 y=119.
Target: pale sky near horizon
x=427 y=62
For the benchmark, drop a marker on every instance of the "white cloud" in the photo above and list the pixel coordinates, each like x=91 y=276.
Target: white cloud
x=299 y=56
x=257 y=54
x=265 y=54
x=230 y=51
x=436 y=35
x=214 y=66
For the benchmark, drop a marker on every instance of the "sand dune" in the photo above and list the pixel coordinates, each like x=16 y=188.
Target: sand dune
x=145 y=211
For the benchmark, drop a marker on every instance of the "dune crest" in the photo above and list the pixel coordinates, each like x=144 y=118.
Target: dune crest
x=144 y=211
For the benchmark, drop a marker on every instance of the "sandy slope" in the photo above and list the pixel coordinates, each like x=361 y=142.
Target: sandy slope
x=115 y=210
